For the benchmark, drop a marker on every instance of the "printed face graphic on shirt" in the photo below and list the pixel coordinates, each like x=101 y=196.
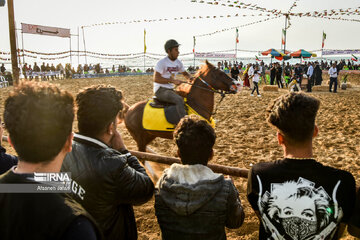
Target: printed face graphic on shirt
x=298 y=210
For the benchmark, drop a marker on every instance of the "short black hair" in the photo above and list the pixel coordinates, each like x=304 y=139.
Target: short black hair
x=294 y=114
x=38 y=117
x=195 y=139
x=97 y=107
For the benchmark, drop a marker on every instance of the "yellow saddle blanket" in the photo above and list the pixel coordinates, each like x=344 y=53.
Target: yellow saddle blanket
x=154 y=118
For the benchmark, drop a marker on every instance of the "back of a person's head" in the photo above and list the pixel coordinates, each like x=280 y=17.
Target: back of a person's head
x=97 y=107
x=293 y=115
x=38 y=117
x=195 y=139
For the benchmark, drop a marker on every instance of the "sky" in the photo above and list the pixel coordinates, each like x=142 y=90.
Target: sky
x=305 y=32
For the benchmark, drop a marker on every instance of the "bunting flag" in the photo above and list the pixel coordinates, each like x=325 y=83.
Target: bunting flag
x=144 y=40
x=354 y=58
x=323 y=39
x=194 y=44
x=257 y=59
x=228 y=29
x=237 y=35
x=283 y=37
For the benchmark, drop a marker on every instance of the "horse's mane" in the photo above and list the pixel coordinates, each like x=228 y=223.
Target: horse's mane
x=183 y=89
x=204 y=68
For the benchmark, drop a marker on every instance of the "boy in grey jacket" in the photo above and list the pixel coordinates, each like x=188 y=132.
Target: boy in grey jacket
x=191 y=201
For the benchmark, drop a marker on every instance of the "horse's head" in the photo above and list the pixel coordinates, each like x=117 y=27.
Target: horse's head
x=217 y=79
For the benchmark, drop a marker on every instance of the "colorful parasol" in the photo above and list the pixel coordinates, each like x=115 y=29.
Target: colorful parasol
x=277 y=54
x=302 y=53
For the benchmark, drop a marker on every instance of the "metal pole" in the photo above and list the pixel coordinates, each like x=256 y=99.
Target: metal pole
x=22 y=41
x=14 y=61
x=194 y=44
x=78 y=35
x=236 y=32
x=70 y=51
x=283 y=68
x=84 y=43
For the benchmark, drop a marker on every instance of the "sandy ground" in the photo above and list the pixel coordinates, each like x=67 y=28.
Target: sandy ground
x=243 y=137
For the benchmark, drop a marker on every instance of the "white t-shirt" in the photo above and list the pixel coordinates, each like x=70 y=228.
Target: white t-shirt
x=166 y=67
x=333 y=72
x=251 y=71
x=256 y=77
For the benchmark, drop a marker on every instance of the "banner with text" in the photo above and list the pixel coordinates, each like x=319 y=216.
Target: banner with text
x=214 y=55
x=44 y=30
x=341 y=52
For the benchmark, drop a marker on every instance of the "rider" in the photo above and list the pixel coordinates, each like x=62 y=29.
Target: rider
x=164 y=77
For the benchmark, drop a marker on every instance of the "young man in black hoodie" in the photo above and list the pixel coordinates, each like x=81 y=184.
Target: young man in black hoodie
x=191 y=201
x=298 y=197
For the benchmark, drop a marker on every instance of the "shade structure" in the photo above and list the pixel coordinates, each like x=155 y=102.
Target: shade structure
x=274 y=53
x=284 y=57
x=302 y=53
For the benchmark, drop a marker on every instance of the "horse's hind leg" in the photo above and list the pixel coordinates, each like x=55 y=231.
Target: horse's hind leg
x=143 y=140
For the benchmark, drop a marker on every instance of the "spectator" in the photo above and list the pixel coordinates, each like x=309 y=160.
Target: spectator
x=191 y=201
x=310 y=74
x=6 y=161
x=317 y=74
x=278 y=75
x=2 y=69
x=272 y=74
x=255 y=80
x=235 y=72
x=41 y=143
x=112 y=179
x=333 y=73
x=298 y=197
x=298 y=74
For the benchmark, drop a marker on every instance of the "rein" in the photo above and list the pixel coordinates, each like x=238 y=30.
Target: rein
x=213 y=90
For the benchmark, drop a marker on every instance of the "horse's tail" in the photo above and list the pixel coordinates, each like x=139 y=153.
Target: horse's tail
x=124 y=110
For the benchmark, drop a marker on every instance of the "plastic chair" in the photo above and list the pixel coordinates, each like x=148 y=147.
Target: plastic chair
x=3 y=82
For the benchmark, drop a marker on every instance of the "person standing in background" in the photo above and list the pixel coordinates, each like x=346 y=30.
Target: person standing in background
x=333 y=77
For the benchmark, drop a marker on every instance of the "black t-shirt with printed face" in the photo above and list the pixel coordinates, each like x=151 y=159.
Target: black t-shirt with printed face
x=300 y=199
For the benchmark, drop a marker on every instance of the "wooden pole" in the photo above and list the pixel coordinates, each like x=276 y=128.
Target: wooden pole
x=232 y=171
x=82 y=28
x=78 y=44
x=13 y=47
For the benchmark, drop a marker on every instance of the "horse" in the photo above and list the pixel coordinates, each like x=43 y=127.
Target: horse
x=208 y=81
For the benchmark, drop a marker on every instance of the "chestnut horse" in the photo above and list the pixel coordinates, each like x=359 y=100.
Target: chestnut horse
x=200 y=97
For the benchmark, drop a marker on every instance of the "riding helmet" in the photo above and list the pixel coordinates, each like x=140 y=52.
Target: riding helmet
x=171 y=44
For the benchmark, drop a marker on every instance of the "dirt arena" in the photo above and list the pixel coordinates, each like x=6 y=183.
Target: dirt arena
x=243 y=137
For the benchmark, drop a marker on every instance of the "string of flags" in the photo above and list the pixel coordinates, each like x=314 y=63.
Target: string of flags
x=255 y=7
x=175 y=19
x=231 y=28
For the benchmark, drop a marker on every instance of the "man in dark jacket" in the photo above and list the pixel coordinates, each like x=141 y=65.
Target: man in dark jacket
x=191 y=201
x=6 y=160
x=41 y=144
x=110 y=179
x=234 y=72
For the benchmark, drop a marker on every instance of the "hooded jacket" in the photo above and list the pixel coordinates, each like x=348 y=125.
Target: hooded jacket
x=192 y=202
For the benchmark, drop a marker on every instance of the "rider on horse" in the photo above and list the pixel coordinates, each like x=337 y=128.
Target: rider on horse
x=164 y=77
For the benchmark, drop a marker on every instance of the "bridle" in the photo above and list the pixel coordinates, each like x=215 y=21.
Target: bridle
x=210 y=88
